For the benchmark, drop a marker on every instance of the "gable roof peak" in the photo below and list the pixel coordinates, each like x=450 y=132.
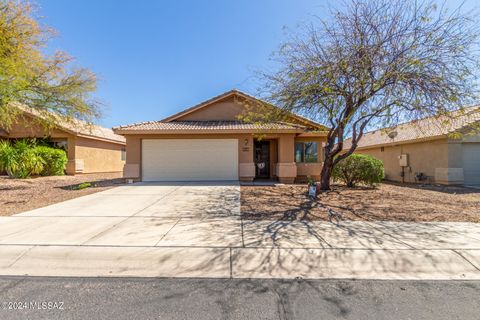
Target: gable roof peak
x=244 y=95
x=207 y=102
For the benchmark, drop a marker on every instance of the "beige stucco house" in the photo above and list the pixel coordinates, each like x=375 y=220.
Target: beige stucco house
x=209 y=142
x=90 y=148
x=430 y=150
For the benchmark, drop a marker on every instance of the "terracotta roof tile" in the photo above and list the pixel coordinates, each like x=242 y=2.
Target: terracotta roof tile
x=419 y=129
x=241 y=94
x=94 y=131
x=76 y=127
x=207 y=125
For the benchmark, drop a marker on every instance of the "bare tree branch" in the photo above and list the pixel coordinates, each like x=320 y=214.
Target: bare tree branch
x=374 y=63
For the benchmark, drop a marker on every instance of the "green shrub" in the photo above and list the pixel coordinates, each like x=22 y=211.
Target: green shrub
x=19 y=159
x=83 y=185
x=55 y=160
x=359 y=168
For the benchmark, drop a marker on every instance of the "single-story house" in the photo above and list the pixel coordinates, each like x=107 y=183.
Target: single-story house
x=90 y=148
x=430 y=150
x=209 y=142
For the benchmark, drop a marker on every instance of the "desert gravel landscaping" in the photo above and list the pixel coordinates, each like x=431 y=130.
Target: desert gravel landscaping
x=388 y=201
x=19 y=195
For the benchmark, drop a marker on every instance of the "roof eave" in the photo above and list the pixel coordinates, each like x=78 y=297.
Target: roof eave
x=313 y=134
x=29 y=111
x=122 y=142
x=216 y=131
x=394 y=143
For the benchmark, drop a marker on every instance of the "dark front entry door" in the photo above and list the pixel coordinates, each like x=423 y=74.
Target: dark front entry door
x=262 y=159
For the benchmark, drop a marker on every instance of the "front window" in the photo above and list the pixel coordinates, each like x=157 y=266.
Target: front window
x=306 y=152
x=299 y=152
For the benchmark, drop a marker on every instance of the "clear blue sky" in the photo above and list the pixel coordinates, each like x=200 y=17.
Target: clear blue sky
x=155 y=58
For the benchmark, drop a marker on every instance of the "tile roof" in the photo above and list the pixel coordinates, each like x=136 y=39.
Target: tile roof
x=221 y=125
x=241 y=94
x=420 y=129
x=76 y=127
x=93 y=131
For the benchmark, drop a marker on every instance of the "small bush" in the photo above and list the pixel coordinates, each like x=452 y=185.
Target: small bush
x=19 y=159
x=55 y=160
x=359 y=168
x=83 y=185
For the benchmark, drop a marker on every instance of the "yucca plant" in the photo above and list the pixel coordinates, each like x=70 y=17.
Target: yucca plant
x=19 y=159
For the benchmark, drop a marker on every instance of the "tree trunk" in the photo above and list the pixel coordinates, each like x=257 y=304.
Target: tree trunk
x=326 y=174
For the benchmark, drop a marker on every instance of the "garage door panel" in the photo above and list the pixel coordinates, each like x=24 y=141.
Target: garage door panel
x=471 y=163
x=189 y=159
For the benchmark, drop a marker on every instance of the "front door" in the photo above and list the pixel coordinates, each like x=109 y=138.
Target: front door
x=262 y=159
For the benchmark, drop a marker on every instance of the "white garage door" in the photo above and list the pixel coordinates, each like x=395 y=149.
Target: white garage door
x=189 y=159
x=471 y=163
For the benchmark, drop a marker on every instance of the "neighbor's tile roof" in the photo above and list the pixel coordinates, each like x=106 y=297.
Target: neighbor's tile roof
x=420 y=129
x=75 y=126
x=222 y=125
x=93 y=131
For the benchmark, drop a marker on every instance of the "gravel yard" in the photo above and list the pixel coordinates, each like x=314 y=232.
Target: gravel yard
x=386 y=202
x=19 y=195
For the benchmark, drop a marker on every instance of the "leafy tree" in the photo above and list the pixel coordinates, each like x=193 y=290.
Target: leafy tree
x=375 y=63
x=28 y=76
x=359 y=168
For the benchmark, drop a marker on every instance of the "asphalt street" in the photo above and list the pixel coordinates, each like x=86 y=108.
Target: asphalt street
x=155 y=298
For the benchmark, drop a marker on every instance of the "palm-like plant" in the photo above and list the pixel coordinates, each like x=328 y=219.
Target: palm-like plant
x=7 y=157
x=20 y=160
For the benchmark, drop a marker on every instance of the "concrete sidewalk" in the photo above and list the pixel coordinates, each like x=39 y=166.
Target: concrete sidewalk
x=195 y=230
x=221 y=249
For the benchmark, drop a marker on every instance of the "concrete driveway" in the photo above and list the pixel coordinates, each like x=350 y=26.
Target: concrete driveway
x=195 y=230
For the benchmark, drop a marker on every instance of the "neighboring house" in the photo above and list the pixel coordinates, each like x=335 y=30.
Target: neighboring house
x=430 y=150
x=209 y=142
x=90 y=148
